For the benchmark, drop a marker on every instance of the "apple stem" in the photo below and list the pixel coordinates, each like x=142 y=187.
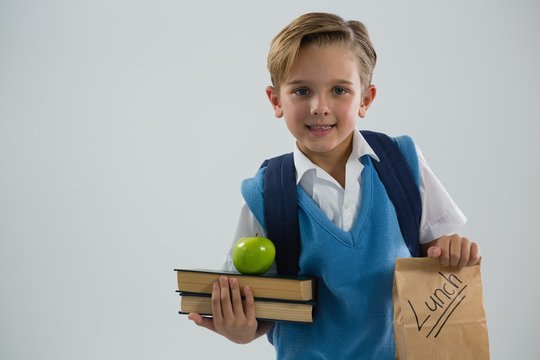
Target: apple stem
x=256 y=234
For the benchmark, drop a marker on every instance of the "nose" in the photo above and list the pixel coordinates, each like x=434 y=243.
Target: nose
x=319 y=106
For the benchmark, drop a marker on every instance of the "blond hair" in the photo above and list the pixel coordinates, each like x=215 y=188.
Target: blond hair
x=320 y=30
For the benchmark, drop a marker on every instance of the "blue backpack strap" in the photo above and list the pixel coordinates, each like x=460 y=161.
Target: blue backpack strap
x=281 y=212
x=401 y=186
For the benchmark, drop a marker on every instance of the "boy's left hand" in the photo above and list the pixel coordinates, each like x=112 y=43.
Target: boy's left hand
x=453 y=250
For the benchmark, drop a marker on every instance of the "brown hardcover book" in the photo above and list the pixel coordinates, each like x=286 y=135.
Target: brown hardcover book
x=263 y=286
x=264 y=309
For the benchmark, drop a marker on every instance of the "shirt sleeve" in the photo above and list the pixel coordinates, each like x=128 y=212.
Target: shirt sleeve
x=440 y=214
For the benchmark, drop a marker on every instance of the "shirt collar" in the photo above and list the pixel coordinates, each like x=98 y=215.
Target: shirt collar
x=360 y=148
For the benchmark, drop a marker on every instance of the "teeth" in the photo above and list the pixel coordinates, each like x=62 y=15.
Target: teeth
x=320 y=127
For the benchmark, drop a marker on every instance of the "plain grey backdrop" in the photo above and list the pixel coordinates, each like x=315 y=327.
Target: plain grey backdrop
x=127 y=126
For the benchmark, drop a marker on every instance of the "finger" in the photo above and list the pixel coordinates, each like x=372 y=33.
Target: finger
x=202 y=321
x=236 y=298
x=250 y=303
x=226 y=307
x=474 y=257
x=444 y=244
x=455 y=250
x=216 y=302
x=434 y=251
x=465 y=252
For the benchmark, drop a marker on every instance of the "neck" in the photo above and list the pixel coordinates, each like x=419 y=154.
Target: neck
x=333 y=162
x=336 y=169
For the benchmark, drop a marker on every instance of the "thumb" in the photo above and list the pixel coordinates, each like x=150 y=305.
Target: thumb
x=202 y=321
x=434 y=251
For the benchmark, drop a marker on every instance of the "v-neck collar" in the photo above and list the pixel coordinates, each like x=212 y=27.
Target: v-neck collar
x=349 y=238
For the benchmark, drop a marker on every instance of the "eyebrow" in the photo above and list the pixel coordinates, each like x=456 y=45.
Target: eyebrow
x=337 y=81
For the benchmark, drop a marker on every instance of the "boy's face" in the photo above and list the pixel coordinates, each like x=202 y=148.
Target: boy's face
x=321 y=100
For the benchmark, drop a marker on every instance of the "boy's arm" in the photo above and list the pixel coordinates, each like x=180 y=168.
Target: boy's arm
x=230 y=319
x=452 y=250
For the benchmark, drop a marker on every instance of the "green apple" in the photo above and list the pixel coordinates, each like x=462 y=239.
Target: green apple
x=253 y=255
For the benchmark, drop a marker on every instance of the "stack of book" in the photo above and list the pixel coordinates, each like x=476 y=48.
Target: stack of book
x=276 y=297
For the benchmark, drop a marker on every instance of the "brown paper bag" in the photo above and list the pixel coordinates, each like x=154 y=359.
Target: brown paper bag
x=438 y=311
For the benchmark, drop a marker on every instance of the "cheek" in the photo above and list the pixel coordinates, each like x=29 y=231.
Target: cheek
x=294 y=113
x=352 y=110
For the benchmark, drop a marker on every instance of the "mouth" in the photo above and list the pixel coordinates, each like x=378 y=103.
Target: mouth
x=320 y=129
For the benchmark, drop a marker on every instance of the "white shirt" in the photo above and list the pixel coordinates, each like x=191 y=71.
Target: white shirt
x=440 y=215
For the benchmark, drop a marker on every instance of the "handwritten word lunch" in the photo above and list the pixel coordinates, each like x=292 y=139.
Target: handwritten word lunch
x=441 y=304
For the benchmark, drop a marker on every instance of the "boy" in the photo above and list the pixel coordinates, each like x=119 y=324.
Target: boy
x=321 y=69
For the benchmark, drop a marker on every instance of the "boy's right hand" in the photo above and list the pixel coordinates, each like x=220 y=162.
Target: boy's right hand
x=230 y=319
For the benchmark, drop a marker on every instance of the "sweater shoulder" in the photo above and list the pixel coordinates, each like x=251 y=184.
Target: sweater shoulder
x=252 y=190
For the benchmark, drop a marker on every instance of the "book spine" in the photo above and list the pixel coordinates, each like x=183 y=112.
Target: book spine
x=286 y=301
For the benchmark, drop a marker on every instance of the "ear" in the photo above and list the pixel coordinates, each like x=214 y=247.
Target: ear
x=367 y=100
x=273 y=96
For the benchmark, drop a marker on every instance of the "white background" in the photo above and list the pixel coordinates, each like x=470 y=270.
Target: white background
x=127 y=126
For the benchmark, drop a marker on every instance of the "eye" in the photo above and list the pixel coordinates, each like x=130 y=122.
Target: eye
x=339 y=91
x=301 y=92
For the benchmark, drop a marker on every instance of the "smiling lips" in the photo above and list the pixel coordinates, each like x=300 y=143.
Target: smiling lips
x=320 y=130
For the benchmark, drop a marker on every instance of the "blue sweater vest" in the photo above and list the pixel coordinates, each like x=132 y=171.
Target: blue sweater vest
x=353 y=316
